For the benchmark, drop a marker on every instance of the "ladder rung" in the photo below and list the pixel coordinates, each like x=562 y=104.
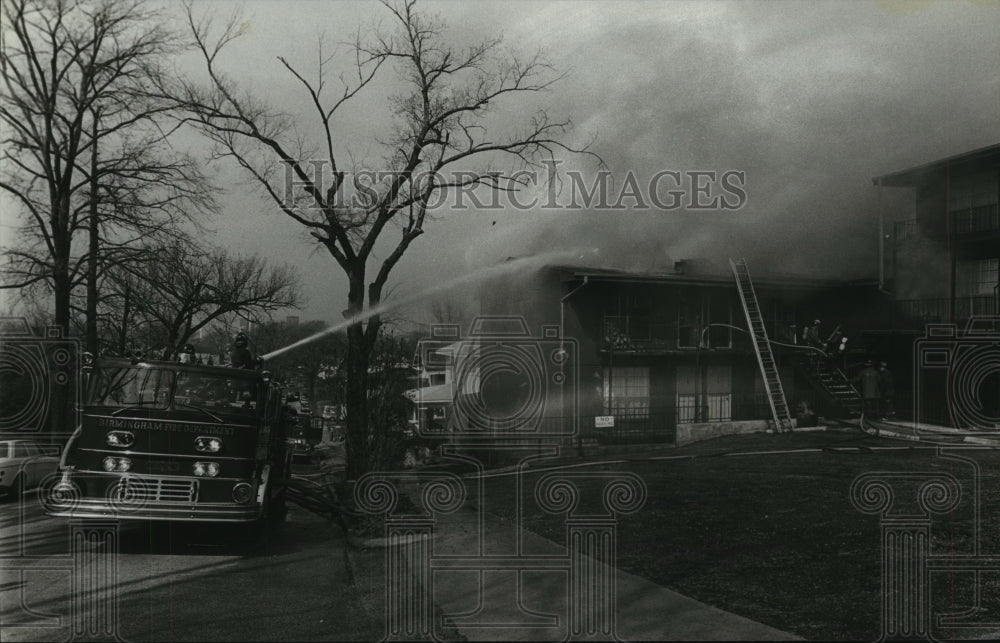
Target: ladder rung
x=758 y=335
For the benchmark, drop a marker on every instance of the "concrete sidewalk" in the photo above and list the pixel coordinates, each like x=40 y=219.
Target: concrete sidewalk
x=500 y=603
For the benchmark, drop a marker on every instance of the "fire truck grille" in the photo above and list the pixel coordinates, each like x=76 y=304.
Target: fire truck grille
x=137 y=491
x=176 y=490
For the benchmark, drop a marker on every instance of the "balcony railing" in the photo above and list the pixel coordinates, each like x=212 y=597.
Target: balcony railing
x=925 y=311
x=983 y=218
x=970 y=220
x=624 y=334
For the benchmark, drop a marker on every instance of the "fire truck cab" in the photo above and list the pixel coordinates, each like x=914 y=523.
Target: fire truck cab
x=172 y=441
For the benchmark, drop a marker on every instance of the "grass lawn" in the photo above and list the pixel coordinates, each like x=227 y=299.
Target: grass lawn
x=774 y=536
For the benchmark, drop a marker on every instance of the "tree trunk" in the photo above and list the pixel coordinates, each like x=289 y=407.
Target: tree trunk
x=61 y=396
x=94 y=245
x=356 y=401
x=126 y=314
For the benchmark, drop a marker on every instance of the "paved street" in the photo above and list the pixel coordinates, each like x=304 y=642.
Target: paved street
x=293 y=585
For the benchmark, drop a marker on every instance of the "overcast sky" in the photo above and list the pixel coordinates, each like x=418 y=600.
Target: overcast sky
x=809 y=99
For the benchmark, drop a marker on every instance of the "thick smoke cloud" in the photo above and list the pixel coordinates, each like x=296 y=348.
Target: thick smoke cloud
x=810 y=100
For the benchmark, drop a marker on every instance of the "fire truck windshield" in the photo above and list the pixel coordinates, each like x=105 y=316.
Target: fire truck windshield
x=161 y=388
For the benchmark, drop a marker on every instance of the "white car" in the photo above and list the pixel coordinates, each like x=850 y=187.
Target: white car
x=23 y=465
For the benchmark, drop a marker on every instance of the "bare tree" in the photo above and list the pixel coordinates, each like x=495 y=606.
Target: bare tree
x=439 y=122
x=138 y=194
x=62 y=61
x=391 y=374
x=87 y=154
x=180 y=289
x=75 y=81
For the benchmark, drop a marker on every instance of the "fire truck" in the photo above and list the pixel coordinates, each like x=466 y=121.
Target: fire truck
x=173 y=441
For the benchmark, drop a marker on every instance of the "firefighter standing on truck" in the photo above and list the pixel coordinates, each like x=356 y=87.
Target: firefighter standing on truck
x=240 y=356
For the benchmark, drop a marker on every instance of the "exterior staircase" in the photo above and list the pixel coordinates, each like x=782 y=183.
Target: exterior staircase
x=835 y=385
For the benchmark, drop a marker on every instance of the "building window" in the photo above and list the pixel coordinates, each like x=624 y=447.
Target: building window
x=626 y=391
x=972 y=191
x=628 y=321
x=779 y=319
x=977 y=277
x=715 y=391
x=689 y=323
x=704 y=321
x=972 y=202
x=719 y=311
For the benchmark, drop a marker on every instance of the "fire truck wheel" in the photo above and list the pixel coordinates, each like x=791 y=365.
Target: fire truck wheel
x=274 y=514
x=279 y=509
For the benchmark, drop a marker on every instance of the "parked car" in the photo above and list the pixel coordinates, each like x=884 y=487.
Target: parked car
x=23 y=465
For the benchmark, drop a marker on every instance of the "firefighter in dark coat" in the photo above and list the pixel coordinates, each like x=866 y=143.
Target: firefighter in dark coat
x=867 y=382
x=812 y=337
x=240 y=356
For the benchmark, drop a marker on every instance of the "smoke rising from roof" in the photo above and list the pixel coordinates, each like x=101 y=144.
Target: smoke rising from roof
x=810 y=99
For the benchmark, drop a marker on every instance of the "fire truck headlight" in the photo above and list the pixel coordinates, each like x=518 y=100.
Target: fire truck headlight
x=117 y=464
x=208 y=469
x=242 y=492
x=120 y=439
x=208 y=444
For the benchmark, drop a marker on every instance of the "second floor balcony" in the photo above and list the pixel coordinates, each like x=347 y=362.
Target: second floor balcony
x=965 y=221
x=973 y=220
x=916 y=312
